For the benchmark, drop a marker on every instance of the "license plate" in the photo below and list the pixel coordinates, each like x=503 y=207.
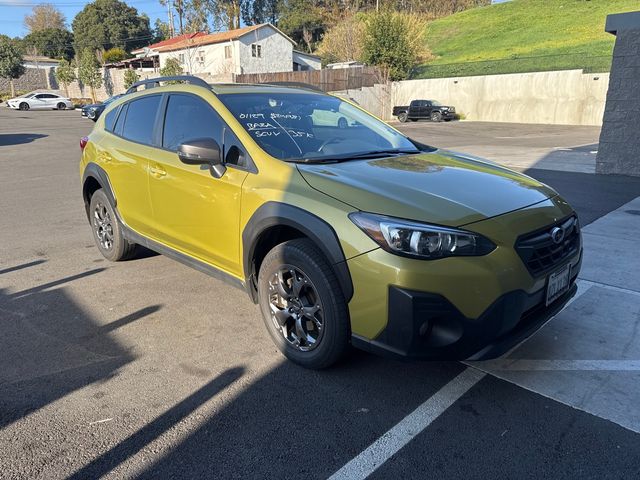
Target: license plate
x=558 y=283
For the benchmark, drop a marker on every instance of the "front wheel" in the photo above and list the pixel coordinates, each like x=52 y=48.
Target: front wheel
x=302 y=304
x=436 y=117
x=403 y=117
x=107 y=232
x=62 y=106
x=24 y=106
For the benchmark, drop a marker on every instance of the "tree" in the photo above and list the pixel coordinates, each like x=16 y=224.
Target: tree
x=130 y=77
x=344 y=41
x=171 y=68
x=114 y=54
x=65 y=74
x=44 y=16
x=255 y=12
x=51 y=42
x=393 y=42
x=300 y=16
x=110 y=23
x=11 y=66
x=161 y=31
x=89 y=71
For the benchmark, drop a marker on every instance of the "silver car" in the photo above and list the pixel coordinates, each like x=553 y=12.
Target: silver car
x=40 y=101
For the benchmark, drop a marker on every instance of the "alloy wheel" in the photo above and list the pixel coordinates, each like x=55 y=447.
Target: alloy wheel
x=295 y=308
x=103 y=226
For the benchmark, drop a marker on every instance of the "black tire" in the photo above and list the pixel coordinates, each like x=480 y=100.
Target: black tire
x=402 y=117
x=23 y=106
x=436 y=117
x=61 y=106
x=333 y=341
x=342 y=122
x=413 y=119
x=106 y=229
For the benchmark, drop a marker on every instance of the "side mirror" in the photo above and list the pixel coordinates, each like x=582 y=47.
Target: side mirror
x=203 y=151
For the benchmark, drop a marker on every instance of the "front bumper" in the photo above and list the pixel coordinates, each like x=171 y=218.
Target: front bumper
x=428 y=326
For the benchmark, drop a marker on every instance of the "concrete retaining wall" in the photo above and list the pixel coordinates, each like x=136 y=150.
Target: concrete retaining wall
x=567 y=97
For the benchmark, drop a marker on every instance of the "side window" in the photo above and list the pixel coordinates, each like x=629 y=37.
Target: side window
x=140 y=119
x=42 y=96
x=117 y=129
x=188 y=117
x=110 y=119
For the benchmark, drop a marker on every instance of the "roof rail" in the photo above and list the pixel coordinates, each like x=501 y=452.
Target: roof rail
x=155 y=82
x=306 y=86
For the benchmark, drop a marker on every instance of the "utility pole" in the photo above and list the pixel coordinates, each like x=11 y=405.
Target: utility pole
x=172 y=32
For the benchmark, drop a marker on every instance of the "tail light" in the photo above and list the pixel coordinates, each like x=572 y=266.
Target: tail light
x=83 y=142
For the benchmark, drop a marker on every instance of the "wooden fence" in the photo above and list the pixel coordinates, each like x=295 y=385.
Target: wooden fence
x=328 y=80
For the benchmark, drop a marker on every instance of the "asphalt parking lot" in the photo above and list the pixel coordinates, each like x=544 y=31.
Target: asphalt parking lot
x=147 y=368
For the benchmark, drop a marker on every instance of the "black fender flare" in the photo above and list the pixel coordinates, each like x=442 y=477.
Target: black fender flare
x=272 y=214
x=95 y=171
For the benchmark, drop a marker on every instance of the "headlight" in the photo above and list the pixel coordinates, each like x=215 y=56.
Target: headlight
x=420 y=240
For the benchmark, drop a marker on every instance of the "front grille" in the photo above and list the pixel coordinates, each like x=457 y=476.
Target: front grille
x=540 y=253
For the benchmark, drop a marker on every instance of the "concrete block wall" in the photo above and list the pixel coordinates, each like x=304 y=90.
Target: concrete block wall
x=568 y=97
x=32 y=79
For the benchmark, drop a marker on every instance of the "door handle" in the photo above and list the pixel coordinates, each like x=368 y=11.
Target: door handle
x=157 y=171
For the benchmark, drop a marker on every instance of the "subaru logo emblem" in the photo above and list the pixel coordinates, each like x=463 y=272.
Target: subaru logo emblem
x=557 y=234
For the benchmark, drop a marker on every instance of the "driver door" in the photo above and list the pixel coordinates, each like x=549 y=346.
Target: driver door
x=39 y=102
x=193 y=212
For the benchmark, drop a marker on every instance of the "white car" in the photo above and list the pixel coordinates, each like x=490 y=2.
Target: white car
x=40 y=101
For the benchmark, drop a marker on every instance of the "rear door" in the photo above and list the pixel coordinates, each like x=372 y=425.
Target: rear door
x=414 y=109
x=194 y=212
x=126 y=155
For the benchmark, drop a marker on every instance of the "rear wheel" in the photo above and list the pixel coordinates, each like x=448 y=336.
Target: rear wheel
x=24 y=106
x=62 y=106
x=107 y=232
x=403 y=117
x=436 y=117
x=302 y=304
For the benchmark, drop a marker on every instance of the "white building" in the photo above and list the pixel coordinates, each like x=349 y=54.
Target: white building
x=254 y=49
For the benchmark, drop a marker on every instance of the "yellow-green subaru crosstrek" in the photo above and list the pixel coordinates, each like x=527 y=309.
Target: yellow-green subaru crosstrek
x=345 y=233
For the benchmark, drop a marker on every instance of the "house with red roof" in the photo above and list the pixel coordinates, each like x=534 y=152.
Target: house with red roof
x=253 y=49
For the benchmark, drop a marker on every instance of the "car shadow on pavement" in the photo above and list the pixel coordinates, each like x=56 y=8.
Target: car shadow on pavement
x=19 y=138
x=133 y=444
x=286 y=417
x=50 y=346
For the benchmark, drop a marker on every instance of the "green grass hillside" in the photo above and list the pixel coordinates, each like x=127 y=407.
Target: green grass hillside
x=523 y=36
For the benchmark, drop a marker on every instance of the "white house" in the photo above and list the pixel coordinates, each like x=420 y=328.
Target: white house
x=254 y=49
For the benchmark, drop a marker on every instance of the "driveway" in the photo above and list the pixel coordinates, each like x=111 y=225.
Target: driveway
x=147 y=368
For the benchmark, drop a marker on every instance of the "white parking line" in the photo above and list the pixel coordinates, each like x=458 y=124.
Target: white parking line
x=393 y=440
x=525 y=365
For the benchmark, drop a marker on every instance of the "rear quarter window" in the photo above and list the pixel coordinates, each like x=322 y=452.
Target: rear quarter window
x=140 y=119
x=110 y=119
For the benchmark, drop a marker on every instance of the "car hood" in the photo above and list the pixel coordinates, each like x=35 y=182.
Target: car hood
x=91 y=105
x=438 y=187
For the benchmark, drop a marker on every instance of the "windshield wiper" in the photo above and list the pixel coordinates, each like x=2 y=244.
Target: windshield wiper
x=358 y=156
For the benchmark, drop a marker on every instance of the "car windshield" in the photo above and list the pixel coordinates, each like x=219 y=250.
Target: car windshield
x=435 y=103
x=312 y=127
x=111 y=99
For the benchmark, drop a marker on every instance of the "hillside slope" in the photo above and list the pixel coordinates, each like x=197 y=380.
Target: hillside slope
x=521 y=36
